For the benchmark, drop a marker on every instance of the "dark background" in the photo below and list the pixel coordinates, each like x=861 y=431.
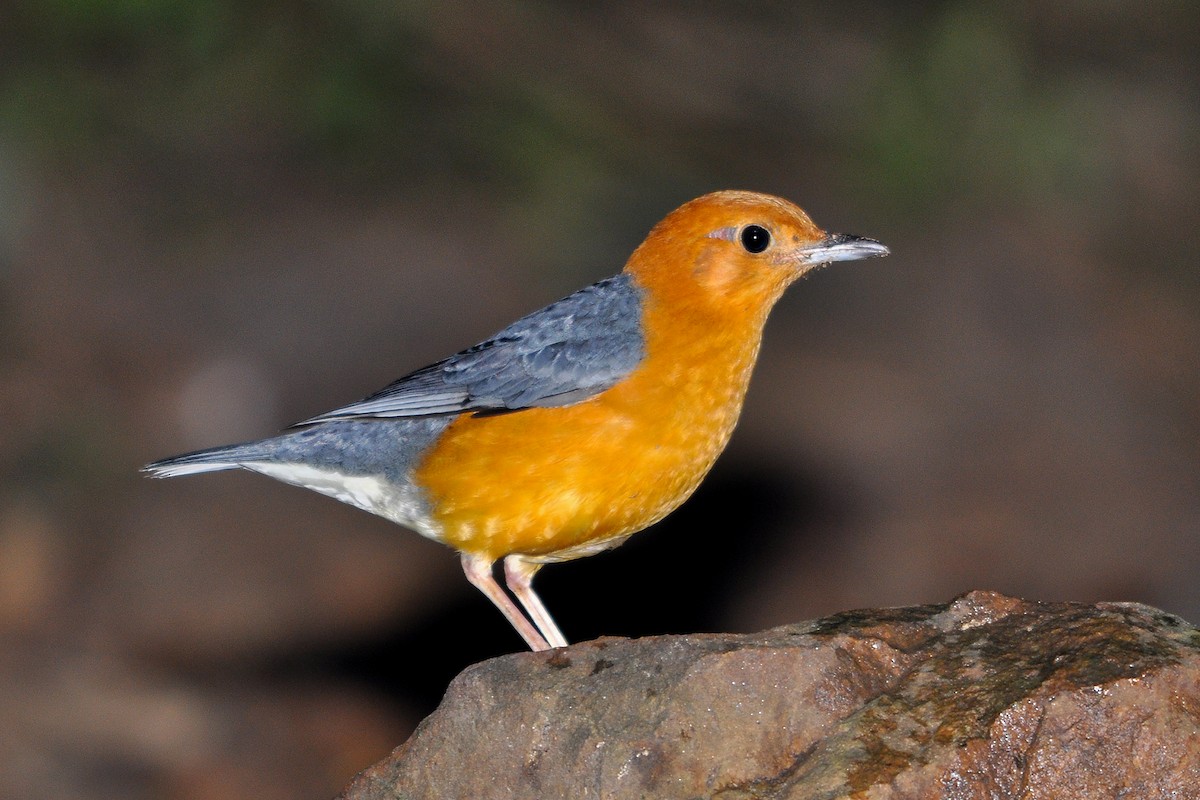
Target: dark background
x=218 y=217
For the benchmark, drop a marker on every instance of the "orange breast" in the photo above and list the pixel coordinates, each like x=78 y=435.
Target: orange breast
x=549 y=481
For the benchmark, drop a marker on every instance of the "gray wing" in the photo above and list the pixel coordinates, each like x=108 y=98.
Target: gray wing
x=559 y=355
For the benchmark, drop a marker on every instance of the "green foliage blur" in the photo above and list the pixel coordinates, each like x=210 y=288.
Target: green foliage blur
x=960 y=99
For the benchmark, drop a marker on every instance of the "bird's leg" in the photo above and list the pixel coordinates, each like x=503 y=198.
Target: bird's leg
x=479 y=573
x=518 y=574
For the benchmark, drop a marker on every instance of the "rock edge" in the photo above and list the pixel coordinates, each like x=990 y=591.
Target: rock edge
x=987 y=696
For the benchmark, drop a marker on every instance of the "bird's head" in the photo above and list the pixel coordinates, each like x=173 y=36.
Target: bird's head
x=738 y=248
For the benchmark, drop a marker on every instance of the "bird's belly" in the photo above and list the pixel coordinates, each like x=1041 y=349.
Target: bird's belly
x=565 y=482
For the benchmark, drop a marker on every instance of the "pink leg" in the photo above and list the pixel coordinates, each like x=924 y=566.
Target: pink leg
x=479 y=573
x=518 y=574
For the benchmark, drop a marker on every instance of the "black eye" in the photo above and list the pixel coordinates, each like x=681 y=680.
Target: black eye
x=755 y=238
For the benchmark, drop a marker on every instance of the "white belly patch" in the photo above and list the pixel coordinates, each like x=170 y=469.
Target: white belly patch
x=400 y=503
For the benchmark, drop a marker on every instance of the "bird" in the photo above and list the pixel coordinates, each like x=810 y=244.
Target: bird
x=579 y=424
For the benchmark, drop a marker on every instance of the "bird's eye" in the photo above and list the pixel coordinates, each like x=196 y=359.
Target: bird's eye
x=755 y=238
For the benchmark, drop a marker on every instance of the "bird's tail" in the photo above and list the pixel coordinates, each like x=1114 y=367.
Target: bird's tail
x=211 y=460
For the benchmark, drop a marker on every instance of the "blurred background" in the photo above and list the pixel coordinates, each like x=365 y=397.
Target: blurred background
x=219 y=217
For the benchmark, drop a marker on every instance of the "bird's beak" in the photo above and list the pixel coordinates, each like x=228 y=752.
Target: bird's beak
x=842 y=247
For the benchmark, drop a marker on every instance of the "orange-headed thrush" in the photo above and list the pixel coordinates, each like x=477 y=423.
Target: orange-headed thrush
x=577 y=425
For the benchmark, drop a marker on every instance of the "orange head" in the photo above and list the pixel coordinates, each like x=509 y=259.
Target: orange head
x=737 y=251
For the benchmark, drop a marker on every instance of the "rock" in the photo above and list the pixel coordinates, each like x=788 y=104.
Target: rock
x=985 y=697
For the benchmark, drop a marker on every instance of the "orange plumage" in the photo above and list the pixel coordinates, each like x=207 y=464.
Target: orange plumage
x=587 y=432
x=545 y=481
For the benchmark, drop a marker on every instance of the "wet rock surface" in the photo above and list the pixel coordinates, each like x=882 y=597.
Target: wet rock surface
x=985 y=697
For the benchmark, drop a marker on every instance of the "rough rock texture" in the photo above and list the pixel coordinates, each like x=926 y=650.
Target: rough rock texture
x=986 y=697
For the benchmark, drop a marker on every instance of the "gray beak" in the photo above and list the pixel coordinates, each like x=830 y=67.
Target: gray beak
x=844 y=247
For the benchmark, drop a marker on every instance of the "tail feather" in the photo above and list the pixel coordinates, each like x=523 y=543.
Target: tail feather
x=213 y=459
x=378 y=447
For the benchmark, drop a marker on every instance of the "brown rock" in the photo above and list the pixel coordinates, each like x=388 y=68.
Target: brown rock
x=986 y=697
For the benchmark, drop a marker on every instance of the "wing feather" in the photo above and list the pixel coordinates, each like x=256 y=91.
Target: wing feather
x=562 y=354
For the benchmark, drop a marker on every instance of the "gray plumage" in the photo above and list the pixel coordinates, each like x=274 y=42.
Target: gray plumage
x=387 y=448
x=562 y=354
x=559 y=355
x=366 y=463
